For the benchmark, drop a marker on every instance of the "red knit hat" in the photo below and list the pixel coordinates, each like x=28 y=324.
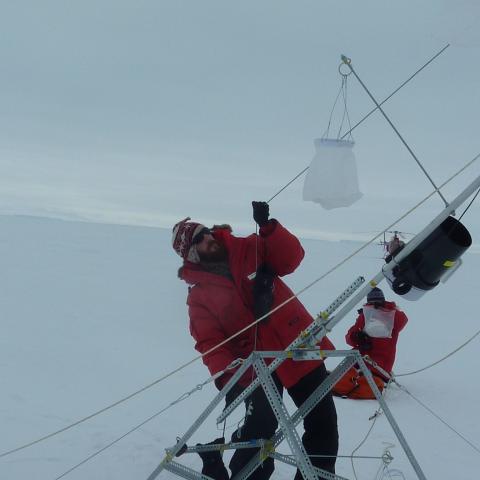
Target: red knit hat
x=182 y=235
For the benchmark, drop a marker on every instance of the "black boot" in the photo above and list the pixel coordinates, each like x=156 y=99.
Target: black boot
x=213 y=465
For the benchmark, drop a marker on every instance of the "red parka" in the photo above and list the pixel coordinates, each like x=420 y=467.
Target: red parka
x=220 y=307
x=383 y=350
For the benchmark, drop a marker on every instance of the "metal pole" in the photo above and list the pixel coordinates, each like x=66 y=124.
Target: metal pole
x=406 y=448
x=373 y=110
x=347 y=61
x=368 y=114
x=303 y=461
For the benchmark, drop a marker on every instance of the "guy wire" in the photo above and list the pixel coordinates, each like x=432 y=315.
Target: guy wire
x=367 y=115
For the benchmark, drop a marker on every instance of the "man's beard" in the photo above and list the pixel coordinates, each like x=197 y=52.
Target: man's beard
x=216 y=253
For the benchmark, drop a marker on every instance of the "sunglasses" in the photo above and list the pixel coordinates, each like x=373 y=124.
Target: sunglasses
x=198 y=238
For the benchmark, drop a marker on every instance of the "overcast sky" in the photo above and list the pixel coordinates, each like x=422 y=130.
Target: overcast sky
x=144 y=112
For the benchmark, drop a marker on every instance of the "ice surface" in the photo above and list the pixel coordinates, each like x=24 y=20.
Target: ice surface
x=91 y=313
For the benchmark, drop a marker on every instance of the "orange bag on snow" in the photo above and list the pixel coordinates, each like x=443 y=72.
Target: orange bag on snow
x=354 y=385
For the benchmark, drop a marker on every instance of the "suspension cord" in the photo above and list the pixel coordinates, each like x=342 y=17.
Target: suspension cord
x=181 y=398
x=367 y=115
x=340 y=90
x=374 y=417
x=250 y=403
x=477 y=449
x=392 y=379
x=256 y=270
x=348 y=62
x=352 y=456
x=469 y=205
x=373 y=110
x=441 y=360
x=289 y=183
x=345 y=109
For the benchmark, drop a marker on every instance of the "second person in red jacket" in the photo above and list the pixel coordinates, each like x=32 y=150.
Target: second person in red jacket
x=375 y=333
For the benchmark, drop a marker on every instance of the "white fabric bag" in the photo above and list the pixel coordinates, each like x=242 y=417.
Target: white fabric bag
x=332 y=178
x=379 y=323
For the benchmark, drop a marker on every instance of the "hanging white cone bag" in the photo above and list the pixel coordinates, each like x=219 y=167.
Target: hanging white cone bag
x=332 y=178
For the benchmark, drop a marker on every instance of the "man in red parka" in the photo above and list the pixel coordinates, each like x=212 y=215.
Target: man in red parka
x=224 y=297
x=375 y=333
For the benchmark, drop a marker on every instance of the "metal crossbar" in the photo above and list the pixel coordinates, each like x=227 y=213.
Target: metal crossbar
x=285 y=421
x=371 y=382
x=291 y=461
x=185 y=472
x=219 y=447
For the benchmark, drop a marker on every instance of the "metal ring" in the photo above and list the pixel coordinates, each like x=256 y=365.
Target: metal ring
x=387 y=458
x=340 y=70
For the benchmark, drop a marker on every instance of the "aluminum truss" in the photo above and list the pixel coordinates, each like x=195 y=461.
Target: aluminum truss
x=287 y=423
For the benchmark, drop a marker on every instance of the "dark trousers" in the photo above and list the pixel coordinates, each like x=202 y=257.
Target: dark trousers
x=320 y=425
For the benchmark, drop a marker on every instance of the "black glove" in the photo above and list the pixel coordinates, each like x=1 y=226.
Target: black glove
x=263 y=291
x=363 y=340
x=213 y=465
x=261 y=212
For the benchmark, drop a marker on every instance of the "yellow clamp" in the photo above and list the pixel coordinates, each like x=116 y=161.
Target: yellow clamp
x=448 y=263
x=266 y=450
x=324 y=315
x=304 y=334
x=373 y=283
x=168 y=458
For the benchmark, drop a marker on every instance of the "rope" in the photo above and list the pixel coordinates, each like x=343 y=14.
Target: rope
x=439 y=418
x=360 y=445
x=469 y=205
x=367 y=457
x=457 y=223
x=373 y=110
x=441 y=360
x=394 y=128
x=98 y=412
x=327 y=131
x=345 y=109
x=392 y=378
x=198 y=357
x=250 y=403
x=289 y=183
x=367 y=115
x=377 y=413
x=384 y=472
x=180 y=399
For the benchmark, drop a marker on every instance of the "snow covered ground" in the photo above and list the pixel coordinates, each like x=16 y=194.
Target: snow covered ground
x=92 y=312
